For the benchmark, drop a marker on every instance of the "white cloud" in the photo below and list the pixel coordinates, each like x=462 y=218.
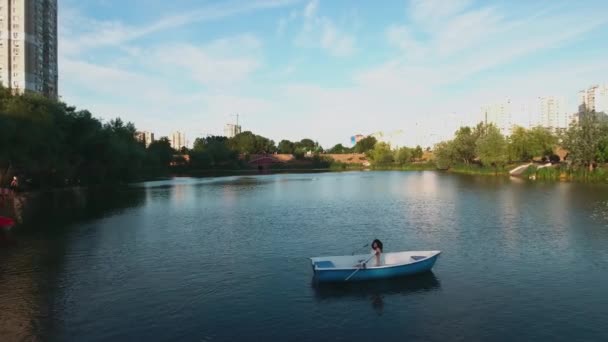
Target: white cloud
x=320 y=31
x=311 y=9
x=440 y=45
x=223 y=62
x=285 y=21
x=401 y=37
x=79 y=33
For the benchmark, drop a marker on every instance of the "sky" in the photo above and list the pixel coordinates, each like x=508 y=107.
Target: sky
x=415 y=70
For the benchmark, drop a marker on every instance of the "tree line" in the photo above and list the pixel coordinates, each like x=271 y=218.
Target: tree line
x=585 y=142
x=48 y=143
x=52 y=144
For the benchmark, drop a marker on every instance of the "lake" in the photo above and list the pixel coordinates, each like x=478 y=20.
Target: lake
x=224 y=259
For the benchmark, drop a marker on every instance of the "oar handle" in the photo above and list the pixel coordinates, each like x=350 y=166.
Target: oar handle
x=357 y=270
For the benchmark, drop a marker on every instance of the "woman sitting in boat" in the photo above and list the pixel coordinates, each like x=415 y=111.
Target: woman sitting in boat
x=377 y=251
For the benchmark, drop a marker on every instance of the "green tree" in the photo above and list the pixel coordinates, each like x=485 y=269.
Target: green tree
x=444 y=155
x=404 y=155
x=338 y=149
x=366 y=144
x=492 y=147
x=160 y=153
x=541 y=142
x=381 y=154
x=464 y=143
x=584 y=139
x=417 y=153
x=286 y=146
x=306 y=145
x=249 y=143
x=212 y=151
x=519 y=145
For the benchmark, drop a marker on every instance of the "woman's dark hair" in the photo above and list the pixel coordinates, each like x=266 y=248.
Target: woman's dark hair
x=379 y=244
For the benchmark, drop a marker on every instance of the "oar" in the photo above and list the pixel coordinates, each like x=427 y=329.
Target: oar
x=357 y=270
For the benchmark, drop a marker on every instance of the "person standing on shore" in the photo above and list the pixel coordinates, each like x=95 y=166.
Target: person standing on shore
x=14 y=184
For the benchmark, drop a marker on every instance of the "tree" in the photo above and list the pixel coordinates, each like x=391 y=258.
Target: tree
x=338 y=149
x=286 y=147
x=366 y=144
x=519 y=145
x=381 y=154
x=492 y=147
x=211 y=152
x=464 y=143
x=249 y=143
x=541 y=142
x=417 y=153
x=444 y=155
x=160 y=153
x=585 y=139
x=404 y=155
x=306 y=145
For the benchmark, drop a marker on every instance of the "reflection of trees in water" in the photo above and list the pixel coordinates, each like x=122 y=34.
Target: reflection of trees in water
x=42 y=210
x=376 y=291
x=32 y=259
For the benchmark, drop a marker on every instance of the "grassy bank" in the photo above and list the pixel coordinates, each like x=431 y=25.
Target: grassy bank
x=405 y=167
x=568 y=174
x=479 y=170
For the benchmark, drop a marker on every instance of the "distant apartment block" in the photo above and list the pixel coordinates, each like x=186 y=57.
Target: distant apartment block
x=356 y=138
x=553 y=113
x=145 y=137
x=178 y=140
x=499 y=115
x=28 y=46
x=594 y=99
x=231 y=130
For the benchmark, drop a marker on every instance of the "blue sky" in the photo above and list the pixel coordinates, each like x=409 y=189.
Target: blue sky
x=325 y=69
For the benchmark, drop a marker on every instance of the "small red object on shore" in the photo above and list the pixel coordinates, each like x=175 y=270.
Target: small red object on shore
x=6 y=222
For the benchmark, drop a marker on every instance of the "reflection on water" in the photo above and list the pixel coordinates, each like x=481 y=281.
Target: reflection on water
x=224 y=259
x=33 y=251
x=377 y=292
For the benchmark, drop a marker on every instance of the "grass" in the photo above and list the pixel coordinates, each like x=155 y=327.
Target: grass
x=479 y=170
x=406 y=167
x=565 y=173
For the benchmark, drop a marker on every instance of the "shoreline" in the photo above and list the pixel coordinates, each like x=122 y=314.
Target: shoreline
x=545 y=175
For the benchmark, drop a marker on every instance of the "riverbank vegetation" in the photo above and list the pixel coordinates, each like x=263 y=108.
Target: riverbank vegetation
x=483 y=149
x=51 y=144
x=47 y=143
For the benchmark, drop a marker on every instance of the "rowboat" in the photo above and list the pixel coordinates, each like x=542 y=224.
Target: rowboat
x=364 y=266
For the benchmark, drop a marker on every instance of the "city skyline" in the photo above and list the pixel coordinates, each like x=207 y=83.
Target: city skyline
x=325 y=70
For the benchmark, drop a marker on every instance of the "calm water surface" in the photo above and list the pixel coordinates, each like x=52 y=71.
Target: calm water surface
x=225 y=259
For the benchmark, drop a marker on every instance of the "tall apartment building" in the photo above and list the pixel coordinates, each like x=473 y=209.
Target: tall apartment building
x=230 y=130
x=178 y=140
x=594 y=99
x=28 y=46
x=499 y=115
x=145 y=137
x=553 y=113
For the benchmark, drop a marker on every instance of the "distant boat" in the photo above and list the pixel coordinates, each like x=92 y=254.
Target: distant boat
x=355 y=267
